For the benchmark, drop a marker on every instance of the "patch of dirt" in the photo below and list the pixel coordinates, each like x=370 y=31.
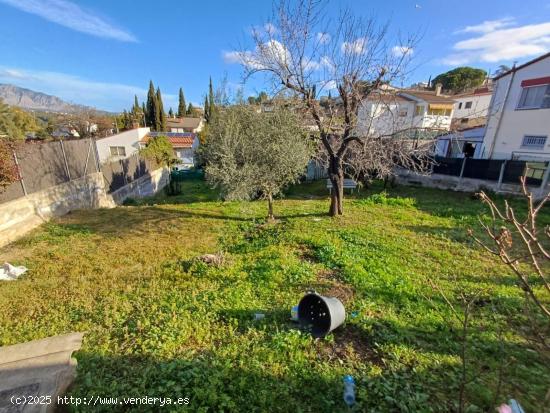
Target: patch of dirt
x=305 y=253
x=350 y=343
x=330 y=284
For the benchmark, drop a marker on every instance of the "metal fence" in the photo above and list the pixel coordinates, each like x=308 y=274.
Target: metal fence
x=44 y=165
x=501 y=171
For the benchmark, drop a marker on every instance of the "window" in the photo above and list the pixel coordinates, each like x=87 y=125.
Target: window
x=460 y=105
x=436 y=112
x=117 y=150
x=535 y=97
x=419 y=111
x=533 y=142
x=468 y=105
x=403 y=113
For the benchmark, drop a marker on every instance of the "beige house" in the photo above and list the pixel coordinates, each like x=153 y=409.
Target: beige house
x=185 y=124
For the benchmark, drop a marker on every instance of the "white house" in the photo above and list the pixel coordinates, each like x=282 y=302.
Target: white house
x=121 y=145
x=389 y=113
x=185 y=145
x=471 y=109
x=518 y=125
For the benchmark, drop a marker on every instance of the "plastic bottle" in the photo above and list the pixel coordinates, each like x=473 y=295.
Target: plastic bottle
x=349 y=390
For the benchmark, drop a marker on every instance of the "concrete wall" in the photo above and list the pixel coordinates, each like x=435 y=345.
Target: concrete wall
x=455 y=183
x=129 y=140
x=515 y=124
x=20 y=216
x=147 y=185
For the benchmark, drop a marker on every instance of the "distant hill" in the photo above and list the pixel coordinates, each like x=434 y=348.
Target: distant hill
x=32 y=100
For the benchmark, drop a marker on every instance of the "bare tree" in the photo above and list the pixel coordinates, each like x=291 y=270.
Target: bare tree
x=521 y=244
x=305 y=53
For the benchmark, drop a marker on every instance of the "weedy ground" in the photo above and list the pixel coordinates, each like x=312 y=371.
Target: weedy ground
x=159 y=322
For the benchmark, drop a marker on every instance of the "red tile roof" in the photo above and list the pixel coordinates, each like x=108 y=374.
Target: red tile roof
x=178 y=140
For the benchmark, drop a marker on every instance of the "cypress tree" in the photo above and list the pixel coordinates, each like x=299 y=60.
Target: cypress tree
x=160 y=116
x=170 y=112
x=211 y=104
x=151 y=106
x=181 y=105
x=144 y=110
x=206 y=109
x=190 y=109
x=135 y=109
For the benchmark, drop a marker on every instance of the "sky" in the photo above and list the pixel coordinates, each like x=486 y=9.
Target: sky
x=102 y=52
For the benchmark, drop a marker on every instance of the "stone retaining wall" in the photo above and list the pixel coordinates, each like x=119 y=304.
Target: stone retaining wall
x=19 y=216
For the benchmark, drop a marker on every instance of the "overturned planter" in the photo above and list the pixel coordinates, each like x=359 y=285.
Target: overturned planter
x=33 y=374
x=319 y=314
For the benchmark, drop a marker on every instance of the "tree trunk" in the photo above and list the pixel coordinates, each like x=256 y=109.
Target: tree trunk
x=336 y=176
x=270 y=216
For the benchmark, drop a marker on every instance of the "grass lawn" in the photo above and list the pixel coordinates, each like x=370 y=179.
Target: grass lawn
x=159 y=323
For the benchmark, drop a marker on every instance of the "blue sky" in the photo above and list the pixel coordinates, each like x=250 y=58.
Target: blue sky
x=101 y=52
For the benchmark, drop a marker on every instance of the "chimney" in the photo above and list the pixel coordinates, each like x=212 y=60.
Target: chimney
x=438 y=89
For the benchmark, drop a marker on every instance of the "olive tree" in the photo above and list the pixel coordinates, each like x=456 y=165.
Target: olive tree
x=250 y=154
x=306 y=54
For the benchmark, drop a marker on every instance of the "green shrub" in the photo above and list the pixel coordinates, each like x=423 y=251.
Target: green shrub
x=130 y=202
x=382 y=198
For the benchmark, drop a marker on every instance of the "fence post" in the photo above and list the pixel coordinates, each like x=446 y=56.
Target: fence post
x=96 y=156
x=65 y=160
x=462 y=168
x=501 y=175
x=19 y=173
x=87 y=159
x=545 y=179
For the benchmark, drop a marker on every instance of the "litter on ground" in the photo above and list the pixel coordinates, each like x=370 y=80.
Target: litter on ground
x=9 y=272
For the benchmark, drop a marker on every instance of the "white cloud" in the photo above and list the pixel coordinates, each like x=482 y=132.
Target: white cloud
x=326 y=62
x=500 y=44
x=488 y=26
x=309 y=65
x=70 y=15
x=330 y=85
x=266 y=54
x=103 y=95
x=323 y=38
x=358 y=46
x=399 y=51
x=232 y=57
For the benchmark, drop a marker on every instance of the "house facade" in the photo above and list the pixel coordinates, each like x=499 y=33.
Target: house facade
x=185 y=146
x=518 y=123
x=185 y=124
x=471 y=109
x=390 y=113
x=120 y=146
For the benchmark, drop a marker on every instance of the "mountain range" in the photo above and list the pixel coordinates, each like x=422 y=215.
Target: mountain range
x=38 y=101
